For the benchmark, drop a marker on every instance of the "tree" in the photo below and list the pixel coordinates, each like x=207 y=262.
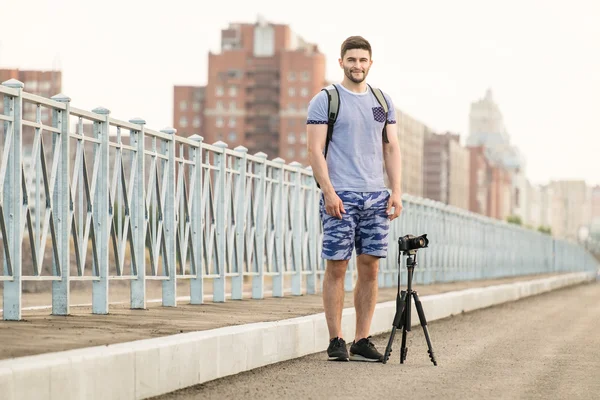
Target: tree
x=545 y=229
x=514 y=219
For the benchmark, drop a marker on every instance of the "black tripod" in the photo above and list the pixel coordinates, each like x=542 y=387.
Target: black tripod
x=403 y=305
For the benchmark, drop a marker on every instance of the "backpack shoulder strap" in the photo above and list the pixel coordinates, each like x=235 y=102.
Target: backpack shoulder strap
x=383 y=103
x=333 y=107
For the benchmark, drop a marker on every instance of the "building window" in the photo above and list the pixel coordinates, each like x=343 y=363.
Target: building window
x=291 y=138
x=183 y=122
x=304 y=92
x=232 y=136
x=305 y=76
x=183 y=105
x=31 y=86
x=196 y=106
x=292 y=76
x=234 y=73
x=233 y=91
x=196 y=122
x=219 y=105
x=232 y=122
x=292 y=92
x=291 y=107
x=303 y=137
x=219 y=122
x=219 y=90
x=303 y=152
x=232 y=105
x=291 y=153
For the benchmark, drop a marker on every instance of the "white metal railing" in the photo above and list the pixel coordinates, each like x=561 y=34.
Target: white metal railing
x=114 y=200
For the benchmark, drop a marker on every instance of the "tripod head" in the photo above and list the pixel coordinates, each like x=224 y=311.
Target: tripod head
x=409 y=244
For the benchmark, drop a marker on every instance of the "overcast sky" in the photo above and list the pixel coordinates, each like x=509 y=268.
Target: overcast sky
x=540 y=58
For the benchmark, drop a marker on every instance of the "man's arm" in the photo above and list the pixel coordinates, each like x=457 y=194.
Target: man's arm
x=316 y=137
x=393 y=165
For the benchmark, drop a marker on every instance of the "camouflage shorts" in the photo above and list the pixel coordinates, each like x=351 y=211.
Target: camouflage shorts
x=364 y=226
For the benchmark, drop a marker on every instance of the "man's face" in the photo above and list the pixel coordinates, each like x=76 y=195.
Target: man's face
x=356 y=64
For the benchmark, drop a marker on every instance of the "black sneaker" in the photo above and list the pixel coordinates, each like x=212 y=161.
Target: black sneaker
x=337 y=350
x=364 y=350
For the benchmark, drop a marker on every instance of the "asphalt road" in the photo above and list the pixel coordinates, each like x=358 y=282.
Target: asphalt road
x=543 y=347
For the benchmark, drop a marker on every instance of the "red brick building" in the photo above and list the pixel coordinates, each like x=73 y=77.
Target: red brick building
x=188 y=109
x=41 y=83
x=258 y=89
x=490 y=186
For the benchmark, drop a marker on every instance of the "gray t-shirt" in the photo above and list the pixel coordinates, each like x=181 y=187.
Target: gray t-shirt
x=355 y=154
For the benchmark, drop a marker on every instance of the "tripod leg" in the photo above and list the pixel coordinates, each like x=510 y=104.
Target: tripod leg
x=397 y=324
x=423 y=321
x=405 y=328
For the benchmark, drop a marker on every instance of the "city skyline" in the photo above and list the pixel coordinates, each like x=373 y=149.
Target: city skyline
x=435 y=63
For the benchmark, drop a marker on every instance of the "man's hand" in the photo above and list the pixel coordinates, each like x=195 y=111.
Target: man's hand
x=334 y=205
x=395 y=202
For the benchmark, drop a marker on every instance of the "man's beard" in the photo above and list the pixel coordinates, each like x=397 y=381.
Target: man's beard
x=349 y=75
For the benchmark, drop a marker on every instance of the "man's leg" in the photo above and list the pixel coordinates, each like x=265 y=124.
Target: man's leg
x=338 y=244
x=333 y=295
x=371 y=245
x=365 y=294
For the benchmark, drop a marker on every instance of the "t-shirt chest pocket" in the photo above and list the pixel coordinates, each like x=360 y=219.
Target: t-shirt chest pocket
x=378 y=114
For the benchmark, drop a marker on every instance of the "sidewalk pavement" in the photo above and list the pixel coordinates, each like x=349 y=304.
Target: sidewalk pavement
x=40 y=332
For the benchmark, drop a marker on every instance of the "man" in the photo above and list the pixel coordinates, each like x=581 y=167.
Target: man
x=356 y=207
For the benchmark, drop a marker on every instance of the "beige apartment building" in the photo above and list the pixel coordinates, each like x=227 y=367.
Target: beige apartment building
x=570 y=206
x=595 y=202
x=411 y=136
x=540 y=199
x=446 y=170
x=460 y=164
x=595 y=218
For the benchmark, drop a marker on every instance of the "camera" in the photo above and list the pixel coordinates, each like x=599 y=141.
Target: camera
x=410 y=242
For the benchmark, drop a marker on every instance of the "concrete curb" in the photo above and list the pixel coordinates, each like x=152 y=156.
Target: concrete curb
x=146 y=368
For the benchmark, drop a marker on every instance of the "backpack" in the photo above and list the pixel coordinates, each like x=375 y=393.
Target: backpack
x=334 y=106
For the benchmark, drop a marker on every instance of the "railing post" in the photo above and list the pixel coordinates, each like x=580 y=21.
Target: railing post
x=278 y=222
x=62 y=209
x=138 y=217
x=12 y=202
x=219 y=283
x=298 y=207
x=237 y=281
x=102 y=215
x=169 y=286
x=258 y=280
x=197 y=283
x=312 y=207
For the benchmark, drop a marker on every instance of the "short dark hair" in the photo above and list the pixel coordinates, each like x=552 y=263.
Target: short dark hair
x=355 y=42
